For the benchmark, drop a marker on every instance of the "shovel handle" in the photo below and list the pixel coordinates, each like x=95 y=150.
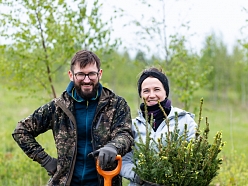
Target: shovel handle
x=108 y=175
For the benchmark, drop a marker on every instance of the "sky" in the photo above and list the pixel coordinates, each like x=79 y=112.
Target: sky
x=223 y=17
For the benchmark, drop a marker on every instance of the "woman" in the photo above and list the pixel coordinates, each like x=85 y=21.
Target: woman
x=153 y=87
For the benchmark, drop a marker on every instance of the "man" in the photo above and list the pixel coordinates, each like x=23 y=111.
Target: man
x=87 y=117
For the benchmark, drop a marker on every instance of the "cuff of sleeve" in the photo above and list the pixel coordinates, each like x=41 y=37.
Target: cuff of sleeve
x=40 y=156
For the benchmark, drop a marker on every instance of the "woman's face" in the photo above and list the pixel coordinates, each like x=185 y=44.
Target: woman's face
x=152 y=90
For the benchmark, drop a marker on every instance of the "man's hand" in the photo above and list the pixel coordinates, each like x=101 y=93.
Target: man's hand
x=107 y=155
x=50 y=164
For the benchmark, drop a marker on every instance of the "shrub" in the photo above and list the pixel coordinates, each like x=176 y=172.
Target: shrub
x=172 y=160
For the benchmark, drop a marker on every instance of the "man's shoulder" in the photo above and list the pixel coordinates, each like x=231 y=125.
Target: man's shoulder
x=64 y=99
x=106 y=92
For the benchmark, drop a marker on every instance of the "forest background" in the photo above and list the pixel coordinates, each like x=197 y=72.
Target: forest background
x=41 y=38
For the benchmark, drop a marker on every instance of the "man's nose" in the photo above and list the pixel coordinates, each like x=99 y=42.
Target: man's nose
x=86 y=79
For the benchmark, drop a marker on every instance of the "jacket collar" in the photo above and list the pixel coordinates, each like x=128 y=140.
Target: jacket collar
x=73 y=93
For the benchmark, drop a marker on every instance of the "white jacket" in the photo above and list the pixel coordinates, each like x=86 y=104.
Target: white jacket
x=183 y=118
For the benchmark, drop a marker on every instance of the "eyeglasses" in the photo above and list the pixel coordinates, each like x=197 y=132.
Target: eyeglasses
x=80 y=76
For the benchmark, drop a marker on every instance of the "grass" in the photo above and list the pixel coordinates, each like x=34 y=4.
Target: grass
x=16 y=168
x=224 y=115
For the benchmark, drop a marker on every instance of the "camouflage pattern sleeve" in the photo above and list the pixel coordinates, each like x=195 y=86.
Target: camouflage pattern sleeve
x=121 y=135
x=29 y=128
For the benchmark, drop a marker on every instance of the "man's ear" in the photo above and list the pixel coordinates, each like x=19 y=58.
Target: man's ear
x=70 y=74
x=100 y=74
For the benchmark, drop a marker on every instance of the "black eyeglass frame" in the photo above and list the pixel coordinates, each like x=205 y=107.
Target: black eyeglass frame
x=81 y=73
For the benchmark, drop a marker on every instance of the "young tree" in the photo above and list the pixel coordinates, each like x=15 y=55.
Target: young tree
x=42 y=36
x=171 y=52
x=243 y=64
x=185 y=70
x=151 y=29
x=222 y=78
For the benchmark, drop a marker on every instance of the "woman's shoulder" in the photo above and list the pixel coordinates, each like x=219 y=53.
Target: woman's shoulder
x=139 y=119
x=180 y=112
x=177 y=110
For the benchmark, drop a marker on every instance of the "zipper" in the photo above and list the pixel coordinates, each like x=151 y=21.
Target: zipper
x=74 y=153
x=92 y=137
x=99 y=121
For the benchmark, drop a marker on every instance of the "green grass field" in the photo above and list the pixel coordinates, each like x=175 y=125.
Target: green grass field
x=228 y=116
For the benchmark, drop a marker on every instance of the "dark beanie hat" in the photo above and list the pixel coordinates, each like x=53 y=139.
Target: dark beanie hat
x=154 y=72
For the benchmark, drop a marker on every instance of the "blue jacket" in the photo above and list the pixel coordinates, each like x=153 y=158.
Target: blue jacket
x=84 y=172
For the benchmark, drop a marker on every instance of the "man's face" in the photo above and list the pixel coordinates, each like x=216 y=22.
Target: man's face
x=86 y=80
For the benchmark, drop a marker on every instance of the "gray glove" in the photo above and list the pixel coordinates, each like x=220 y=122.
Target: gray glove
x=107 y=155
x=50 y=164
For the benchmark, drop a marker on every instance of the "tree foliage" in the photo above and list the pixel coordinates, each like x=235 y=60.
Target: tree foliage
x=185 y=70
x=229 y=68
x=151 y=30
x=180 y=63
x=42 y=35
x=243 y=64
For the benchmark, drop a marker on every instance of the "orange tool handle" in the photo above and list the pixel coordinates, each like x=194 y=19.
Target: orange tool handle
x=108 y=175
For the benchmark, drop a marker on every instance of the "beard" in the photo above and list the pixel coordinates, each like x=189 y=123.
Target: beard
x=86 y=94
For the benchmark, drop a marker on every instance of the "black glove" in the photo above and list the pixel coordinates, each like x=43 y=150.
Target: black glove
x=146 y=184
x=50 y=164
x=107 y=155
x=137 y=179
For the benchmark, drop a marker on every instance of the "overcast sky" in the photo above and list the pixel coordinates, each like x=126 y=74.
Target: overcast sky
x=224 y=17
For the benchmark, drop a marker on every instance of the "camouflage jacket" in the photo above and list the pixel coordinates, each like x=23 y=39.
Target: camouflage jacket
x=111 y=124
